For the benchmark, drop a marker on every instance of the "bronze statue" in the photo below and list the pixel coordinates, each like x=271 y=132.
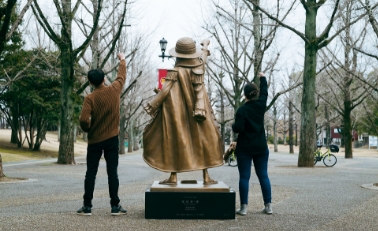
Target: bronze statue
x=183 y=134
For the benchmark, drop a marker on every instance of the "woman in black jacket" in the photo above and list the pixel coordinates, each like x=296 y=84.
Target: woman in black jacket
x=252 y=145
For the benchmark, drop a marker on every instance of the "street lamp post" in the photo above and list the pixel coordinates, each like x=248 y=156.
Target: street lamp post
x=163 y=46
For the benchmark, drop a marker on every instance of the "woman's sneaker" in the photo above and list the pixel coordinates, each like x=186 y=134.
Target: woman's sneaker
x=243 y=210
x=84 y=211
x=118 y=210
x=268 y=209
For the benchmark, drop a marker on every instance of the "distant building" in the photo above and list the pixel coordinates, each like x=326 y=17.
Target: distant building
x=336 y=136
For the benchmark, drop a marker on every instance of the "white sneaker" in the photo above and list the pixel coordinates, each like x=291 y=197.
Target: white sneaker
x=268 y=209
x=243 y=210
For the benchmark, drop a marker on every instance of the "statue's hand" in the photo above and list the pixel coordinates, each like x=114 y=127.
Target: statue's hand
x=199 y=114
x=157 y=90
x=150 y=110
x=205 y=43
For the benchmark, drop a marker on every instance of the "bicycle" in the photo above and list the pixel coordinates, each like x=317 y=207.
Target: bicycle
x=232 y=160
x=328 y=158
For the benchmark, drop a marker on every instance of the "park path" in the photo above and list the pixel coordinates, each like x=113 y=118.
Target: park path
x=318 y=198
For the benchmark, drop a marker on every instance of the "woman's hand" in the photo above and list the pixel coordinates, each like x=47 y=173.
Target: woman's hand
x=261 y=74
x=233 y=145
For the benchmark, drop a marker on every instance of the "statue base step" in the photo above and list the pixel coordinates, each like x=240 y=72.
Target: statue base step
x=189 y=201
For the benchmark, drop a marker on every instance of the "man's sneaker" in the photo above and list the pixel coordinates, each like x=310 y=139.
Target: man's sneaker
x=268 y=209
x=118 y=210
x=84 y=211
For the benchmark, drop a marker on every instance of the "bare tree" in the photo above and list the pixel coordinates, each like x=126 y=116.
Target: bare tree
x=6 y=31
x=234 y=52
x=351 y=92
x=6 y=13
x=313 y=43
x=69 y=56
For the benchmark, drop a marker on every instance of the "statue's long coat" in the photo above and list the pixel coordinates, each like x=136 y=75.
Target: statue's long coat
x=175 y=141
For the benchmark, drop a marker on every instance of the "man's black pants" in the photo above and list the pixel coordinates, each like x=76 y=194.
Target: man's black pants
x=94 y=152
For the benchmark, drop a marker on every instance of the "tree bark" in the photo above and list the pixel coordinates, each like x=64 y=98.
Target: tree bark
x=130 y=138
x=66 y=146
x=308 y=119
x=135 y=143
x=284 y=129
x=275 y=128
x=122 y=132
x=14 y=126
x=291 y=127
x=328 y=127
x=59 y=132
x=1 y=167
x=222 y=124
x=347 y=131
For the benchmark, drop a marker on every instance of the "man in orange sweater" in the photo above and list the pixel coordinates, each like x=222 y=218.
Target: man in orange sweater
x=100 y=118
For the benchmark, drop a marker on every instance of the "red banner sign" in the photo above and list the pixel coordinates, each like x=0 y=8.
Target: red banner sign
x=161 y=77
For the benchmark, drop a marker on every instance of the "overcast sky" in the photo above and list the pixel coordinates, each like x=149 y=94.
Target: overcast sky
x=173 y=19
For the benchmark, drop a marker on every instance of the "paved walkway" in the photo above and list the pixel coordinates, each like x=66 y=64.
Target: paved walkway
x=318 y=198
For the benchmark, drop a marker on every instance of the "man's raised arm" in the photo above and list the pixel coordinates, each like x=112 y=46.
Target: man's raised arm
x=121 y=75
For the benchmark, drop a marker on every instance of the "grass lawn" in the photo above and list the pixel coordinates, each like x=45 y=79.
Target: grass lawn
x=11 y=153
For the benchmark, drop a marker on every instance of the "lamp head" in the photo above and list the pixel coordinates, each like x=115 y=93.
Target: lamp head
x=163 y=45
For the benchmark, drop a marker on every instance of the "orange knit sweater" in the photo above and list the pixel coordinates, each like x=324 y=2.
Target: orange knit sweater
x=100 y=114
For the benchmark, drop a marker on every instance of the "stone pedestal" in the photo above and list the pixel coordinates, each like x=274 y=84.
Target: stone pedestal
x=189 y=201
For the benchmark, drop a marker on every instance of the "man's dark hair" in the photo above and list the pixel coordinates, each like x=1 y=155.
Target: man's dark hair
x=251 y=91
x=96 y=76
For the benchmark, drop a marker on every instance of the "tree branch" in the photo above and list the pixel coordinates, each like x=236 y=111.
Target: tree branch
x=301 y=35
x=280 y=93
x=45 y=24
x=326 y=31
x=19 y=19
x=325 y=42
x=131 y=85
x=94 y=28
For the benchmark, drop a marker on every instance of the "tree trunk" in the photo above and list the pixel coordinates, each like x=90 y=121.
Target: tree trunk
x=37 y=147
x=291 y=127
x=59 y=132
x=1 y=167
x=347 y=81
x=130 y=139
x=222 y=124
x=14 y=126
x=308 y=119
x=14 y=137
x=75 y=132
x=296 y=134
x=328 y=127
x=347 y=131
x=121 y=135
x=135 y=143
x=19 y=141
x=66 y=145
x=85 y=137
x=257 y=43
x=275 y=128
x=284 y=129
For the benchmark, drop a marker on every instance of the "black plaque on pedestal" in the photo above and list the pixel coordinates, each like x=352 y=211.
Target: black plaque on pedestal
x=189 y=205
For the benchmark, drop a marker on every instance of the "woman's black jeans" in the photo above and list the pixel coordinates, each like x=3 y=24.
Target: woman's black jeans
x=94 y=152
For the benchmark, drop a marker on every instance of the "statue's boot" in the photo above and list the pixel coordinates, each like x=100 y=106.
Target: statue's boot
x=172 y=180
x=206 y=178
